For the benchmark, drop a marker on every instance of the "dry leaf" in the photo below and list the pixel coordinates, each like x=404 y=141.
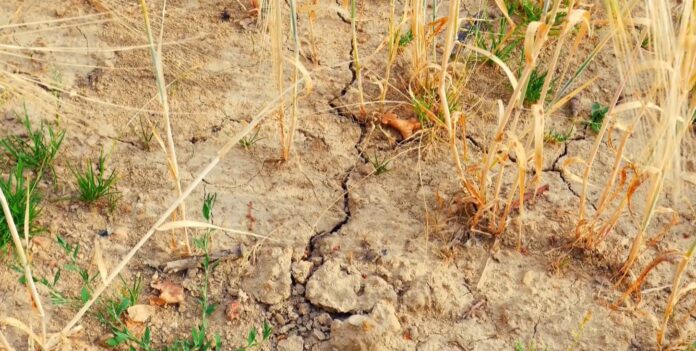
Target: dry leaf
x=405 y=128
x=141 y=313
x=156 y=301
x=232 y=311
x=170 y=293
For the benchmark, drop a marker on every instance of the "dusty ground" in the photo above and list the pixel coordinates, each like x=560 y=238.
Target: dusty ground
x=356 y=261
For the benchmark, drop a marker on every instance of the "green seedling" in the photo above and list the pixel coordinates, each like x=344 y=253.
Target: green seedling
x=406 y=39
x=497 y=41
x=248 y=141
x=597 y=115
x=252 y=338
x=381 y=165
x=421 y=106
x=426 y=106
x=145 y=133
x=37 y=150
x=559 y=137
x=95 y=184
x=534 y=86
x=530 y=11
x=59 y=298
x=207 y=307
x=87 y=280
x=519 y=346
x=17 y=192
x=111 y=316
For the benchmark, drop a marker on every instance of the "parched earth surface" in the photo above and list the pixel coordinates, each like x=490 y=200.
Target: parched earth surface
x=354 y=260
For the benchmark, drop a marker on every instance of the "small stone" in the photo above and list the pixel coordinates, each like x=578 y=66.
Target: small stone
x=361 y=332
x=40 y=242
x=575 y=106
x=303 y=309
x=292 y=343
x=293 y=316
x=302 y=329
x=243 y=296
x=528 y=278
x=323 y=319
x=286 y=328
x=120 y=234
x=365 y=169
x=318 y=334
x=298 y=289
x=301 y=271
x=317 y=261
x=279 y=319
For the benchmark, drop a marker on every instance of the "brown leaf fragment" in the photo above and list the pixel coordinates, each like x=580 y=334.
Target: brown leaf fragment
x=405 y=127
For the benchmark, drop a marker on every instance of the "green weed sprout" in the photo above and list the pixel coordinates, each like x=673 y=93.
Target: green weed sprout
x=17 y=192
x=37 y=150
x=597 y=115
x=94 y=185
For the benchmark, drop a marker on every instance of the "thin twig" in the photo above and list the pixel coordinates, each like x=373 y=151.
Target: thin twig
x=25 y=263
x=162 y=88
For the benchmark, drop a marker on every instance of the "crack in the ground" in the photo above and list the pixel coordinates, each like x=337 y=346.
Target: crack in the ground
x=554 y=168
x=554 y=165
x=340 y=111
x=475 y=142
x=131 y=143
x=340 y=15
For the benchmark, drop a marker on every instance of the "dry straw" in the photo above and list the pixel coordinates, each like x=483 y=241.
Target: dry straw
x=164 y=100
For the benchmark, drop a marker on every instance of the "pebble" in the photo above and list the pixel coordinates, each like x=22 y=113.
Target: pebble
x=120 y=234
x=303 y=309
x=286 y=328
x=279 y=319
x=319 y=335
x=317 y=261
x=292 y=343
x=575 y=106
x=301 y=271
x=323 y=320
x=298 y=289
x=293 y=316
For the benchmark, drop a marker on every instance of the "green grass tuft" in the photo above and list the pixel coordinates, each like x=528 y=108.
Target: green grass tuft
x=95 y=184
x=381 y=165
x=15 y=189
x=248 y=141
x=534 y=86
x=37 y=150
